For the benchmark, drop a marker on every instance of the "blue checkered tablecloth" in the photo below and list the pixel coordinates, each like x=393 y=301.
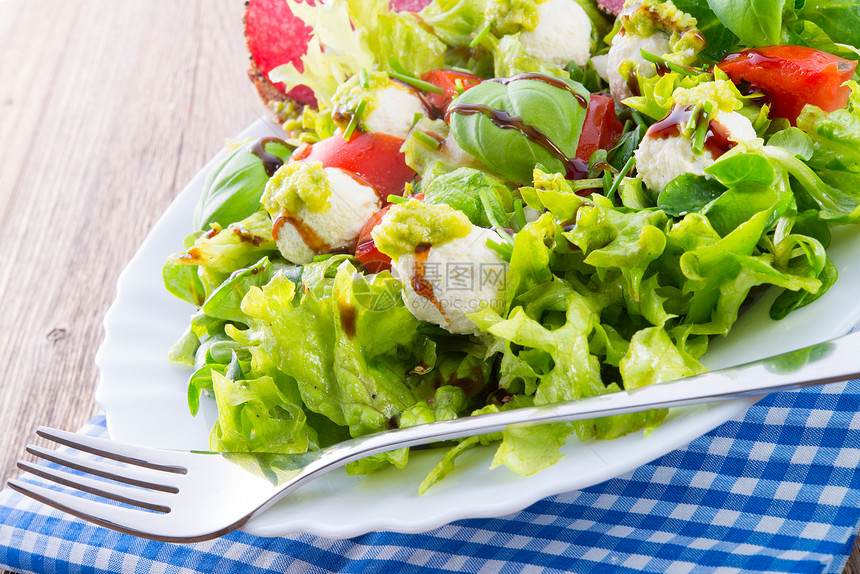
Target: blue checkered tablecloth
x=773 y=490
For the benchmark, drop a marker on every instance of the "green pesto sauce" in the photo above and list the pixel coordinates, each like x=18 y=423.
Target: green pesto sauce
x=296 y=185
x=414 y=223
x=655 y=16
x=349 y=95
x=512 y=16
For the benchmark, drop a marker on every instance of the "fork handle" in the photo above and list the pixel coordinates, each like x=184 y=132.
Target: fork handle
x=832 y=361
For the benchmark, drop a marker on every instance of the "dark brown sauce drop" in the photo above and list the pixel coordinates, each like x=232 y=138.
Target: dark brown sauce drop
x=347 y=318
x=576 y=168
x=245 y=236
x=382 y=197
x=421 y=286
x=471 y=385
x=671 y=125
x=271 y=162
x=314 y=242
x=633 y=85
x=193 y=257
x=717 y=139
x=755 y=57
x=554 y=82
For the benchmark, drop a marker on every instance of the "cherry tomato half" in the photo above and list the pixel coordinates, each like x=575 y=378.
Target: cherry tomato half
x=374 y=157
x=791 y=77
x=366 y=252
x=601 y=126
x=447 y=81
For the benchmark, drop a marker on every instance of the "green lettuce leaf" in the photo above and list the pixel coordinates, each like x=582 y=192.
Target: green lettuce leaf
x=258 y=415
x=478 y=195
x=350 y=35
x=835 y=137
x=455 y=22
x=719 y=272
x=348 y=341
x=211 y=257
x=837 y=18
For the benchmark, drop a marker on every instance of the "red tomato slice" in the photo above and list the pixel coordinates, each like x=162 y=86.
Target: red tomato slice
x=447 y=81
x=366 y=252
x=791 y=77
x=601 y=126
x=373 y=157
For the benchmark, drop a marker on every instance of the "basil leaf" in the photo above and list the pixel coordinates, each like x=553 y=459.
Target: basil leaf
x=719 y=40
x=755 y=22
x=840 y=19
x=233 y=189
x=556 y=114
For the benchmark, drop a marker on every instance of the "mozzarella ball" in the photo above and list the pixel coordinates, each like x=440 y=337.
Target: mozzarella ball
x=563 y=34
x=394 y=111
x=463 y=276
x=659 y=160
x=627 y=47
x=351 y=204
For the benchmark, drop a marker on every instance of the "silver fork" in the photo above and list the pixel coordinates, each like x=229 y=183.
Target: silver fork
x=181 y=496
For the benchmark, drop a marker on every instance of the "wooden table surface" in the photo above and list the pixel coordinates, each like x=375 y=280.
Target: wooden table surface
x=107 y=109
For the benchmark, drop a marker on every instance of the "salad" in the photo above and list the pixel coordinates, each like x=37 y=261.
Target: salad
x=481 y=205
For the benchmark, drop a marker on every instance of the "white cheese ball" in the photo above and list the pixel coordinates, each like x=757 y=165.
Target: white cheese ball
x=628 y=47
x=351 y=204
x=563 y=34
x=659 y=160
x=394 y=111
x=465 y=276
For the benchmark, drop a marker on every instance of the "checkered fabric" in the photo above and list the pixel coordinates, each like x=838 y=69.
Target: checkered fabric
x=773 y=490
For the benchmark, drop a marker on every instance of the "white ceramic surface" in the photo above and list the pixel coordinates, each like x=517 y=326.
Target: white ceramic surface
x=144 y=398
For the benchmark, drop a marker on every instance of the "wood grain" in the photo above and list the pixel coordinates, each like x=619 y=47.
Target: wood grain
x=107 y=109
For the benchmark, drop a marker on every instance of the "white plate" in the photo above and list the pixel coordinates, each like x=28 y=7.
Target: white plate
x=144 y=398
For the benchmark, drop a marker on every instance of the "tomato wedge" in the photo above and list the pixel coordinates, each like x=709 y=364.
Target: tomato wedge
x=601 y=126
x=374 y=157
x=791 y=77
x=447 y=81
x=366 y=252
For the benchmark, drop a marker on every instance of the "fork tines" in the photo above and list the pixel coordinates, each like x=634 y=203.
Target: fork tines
x=146 y=472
